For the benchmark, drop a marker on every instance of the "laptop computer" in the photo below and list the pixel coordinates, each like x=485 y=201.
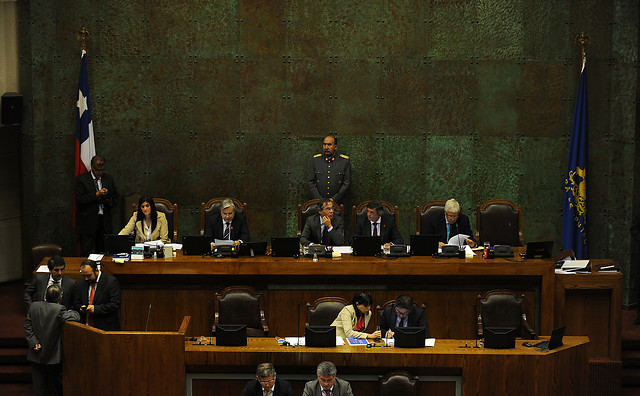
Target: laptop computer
x=539 y=250
x=285 y=247
x=500 y=337
x=118 y=244
x=409 y=337
x=554 y=341
x=253 y=249
x=231 y=335
x=320 y=336
x=424 y=245
x=367 y=245
x=196 y=245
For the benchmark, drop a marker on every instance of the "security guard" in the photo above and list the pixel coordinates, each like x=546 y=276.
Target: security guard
x=330 y=174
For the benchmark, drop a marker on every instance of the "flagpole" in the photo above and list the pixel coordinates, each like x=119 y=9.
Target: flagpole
x=583 y=40
x=82 y=35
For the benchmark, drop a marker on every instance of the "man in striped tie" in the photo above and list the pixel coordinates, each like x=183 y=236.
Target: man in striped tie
x=229 y=224
x=327 y=383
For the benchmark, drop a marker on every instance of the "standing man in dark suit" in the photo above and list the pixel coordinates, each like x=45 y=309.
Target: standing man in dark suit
x=325 y=228
x=376 y=223
x=451 y=224
x=38 y=287
x=95 y=194
x=99 y=297
x=402 y=314
x=228 y=224
x=330 y=174
x=266 y=383
x=42 y=328
x=327 y=383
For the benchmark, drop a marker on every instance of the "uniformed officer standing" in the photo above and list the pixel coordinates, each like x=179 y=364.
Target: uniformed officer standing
x=330 y=174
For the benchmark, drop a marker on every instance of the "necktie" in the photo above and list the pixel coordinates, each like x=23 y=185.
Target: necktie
x=375 y=229
x=98 y=182
x=226 y=231
x=325 y=236
x=448 y=231
x=91 y=295
x=327 y=392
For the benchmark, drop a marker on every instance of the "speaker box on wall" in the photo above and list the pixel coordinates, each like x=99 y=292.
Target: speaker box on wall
x=11 y=108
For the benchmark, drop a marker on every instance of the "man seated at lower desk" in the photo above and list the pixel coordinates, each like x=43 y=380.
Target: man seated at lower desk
x=402 y=314
x=451 y=224
x=376 y=223
x=228 y=225
x=325 y=228
x=327 y=383
x=266 y=383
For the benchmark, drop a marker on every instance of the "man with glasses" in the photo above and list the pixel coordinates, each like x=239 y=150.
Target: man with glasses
x=228 y=225
x=326 y=228
x=36 y=290
x=327 y=383
x=266 y=383
x=402 y=314
x=451 y=224
x=98 y=297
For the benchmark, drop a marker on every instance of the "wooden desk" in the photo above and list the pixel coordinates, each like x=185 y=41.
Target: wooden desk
x=186 y=286
x=519 y=371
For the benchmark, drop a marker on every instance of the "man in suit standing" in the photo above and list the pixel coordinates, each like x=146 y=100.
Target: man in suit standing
x=376 y=223
x=327 y=383
x=228 y=224
x=42 y=328
x=95 y=194
x=330 y=174
x=325 y=228
x=451 y=224
x=98 y=297
x=402 y=314
x=266 y=383
x=38 y=287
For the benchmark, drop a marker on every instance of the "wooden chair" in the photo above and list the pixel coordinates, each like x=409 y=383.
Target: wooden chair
x=170 y=211
x=357 y=212
x=398 y=383
x=310 y=208
x=325 y=310
x=241 y=305
x=213 y=207
x=500 y=222
x=426 y=212
x=503 y=308
x=39 y=252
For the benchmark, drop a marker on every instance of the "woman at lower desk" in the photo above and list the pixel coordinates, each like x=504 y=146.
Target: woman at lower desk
x=147 y=222
x=353 y=319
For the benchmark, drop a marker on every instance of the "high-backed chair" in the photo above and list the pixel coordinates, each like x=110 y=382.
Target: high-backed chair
x=241 y=305
x=358 y=212
x=129 y=200
x=503 y=308
x=398 y=383
x=39 y=252
x=426 y=212
x=310 y=208
x=213 y=207
x=500 y=222
x=325 y=310
x=170 y=211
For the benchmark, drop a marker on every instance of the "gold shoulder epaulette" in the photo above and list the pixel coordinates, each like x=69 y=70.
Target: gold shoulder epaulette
x=317 y=155
x=344 y=156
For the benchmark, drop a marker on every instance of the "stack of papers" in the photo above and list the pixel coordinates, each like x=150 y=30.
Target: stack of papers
x=574 y=267
x=299 y=341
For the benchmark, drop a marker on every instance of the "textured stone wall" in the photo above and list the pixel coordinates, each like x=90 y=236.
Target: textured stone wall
x=431 y=100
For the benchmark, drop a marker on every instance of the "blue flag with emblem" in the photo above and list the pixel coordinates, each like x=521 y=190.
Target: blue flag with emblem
x=574 y=211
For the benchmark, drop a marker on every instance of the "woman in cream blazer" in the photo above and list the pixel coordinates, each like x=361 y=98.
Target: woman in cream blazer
x=148 y=223
x=353 y=319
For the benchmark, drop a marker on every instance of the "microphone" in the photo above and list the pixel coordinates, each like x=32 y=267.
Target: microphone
x=148 y=315
x=298 y=335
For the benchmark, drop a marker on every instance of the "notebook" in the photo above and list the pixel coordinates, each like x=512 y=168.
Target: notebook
x=539 y=249
x=196 y=245
x=285 y=247
x=554 y=341
x=253 y=249
x=118 y=244
x=424 y=245
x=320 y=336
x=367 y=245
x=500 y=337
x=409 y=337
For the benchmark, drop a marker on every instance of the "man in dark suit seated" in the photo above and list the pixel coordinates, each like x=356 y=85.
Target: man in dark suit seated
x=324 y=228
x=266 y=383
x=98 y=297
x=327 y=382
x=96 y=194
x=228 y=225
x=376 y=223
x=402 y=314
x=451 y=224
x=38 y=287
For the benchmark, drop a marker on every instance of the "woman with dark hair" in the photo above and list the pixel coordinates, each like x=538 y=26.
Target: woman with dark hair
x=353 y=319
x=147 y=222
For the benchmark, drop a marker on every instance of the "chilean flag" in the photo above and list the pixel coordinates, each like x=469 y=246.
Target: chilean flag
x=85 y=145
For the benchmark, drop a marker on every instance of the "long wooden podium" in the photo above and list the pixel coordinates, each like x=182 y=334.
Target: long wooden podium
x=116 y=363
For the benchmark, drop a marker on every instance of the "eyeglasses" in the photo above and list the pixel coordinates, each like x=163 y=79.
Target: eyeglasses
x=271 y=381
x=401 y=314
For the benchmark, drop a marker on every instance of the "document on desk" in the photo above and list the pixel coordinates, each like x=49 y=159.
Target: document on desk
x=429 y=342
x=343 y=249
x=357 y=341
x=576 y=266
x=458 y=240
x=300 y=341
